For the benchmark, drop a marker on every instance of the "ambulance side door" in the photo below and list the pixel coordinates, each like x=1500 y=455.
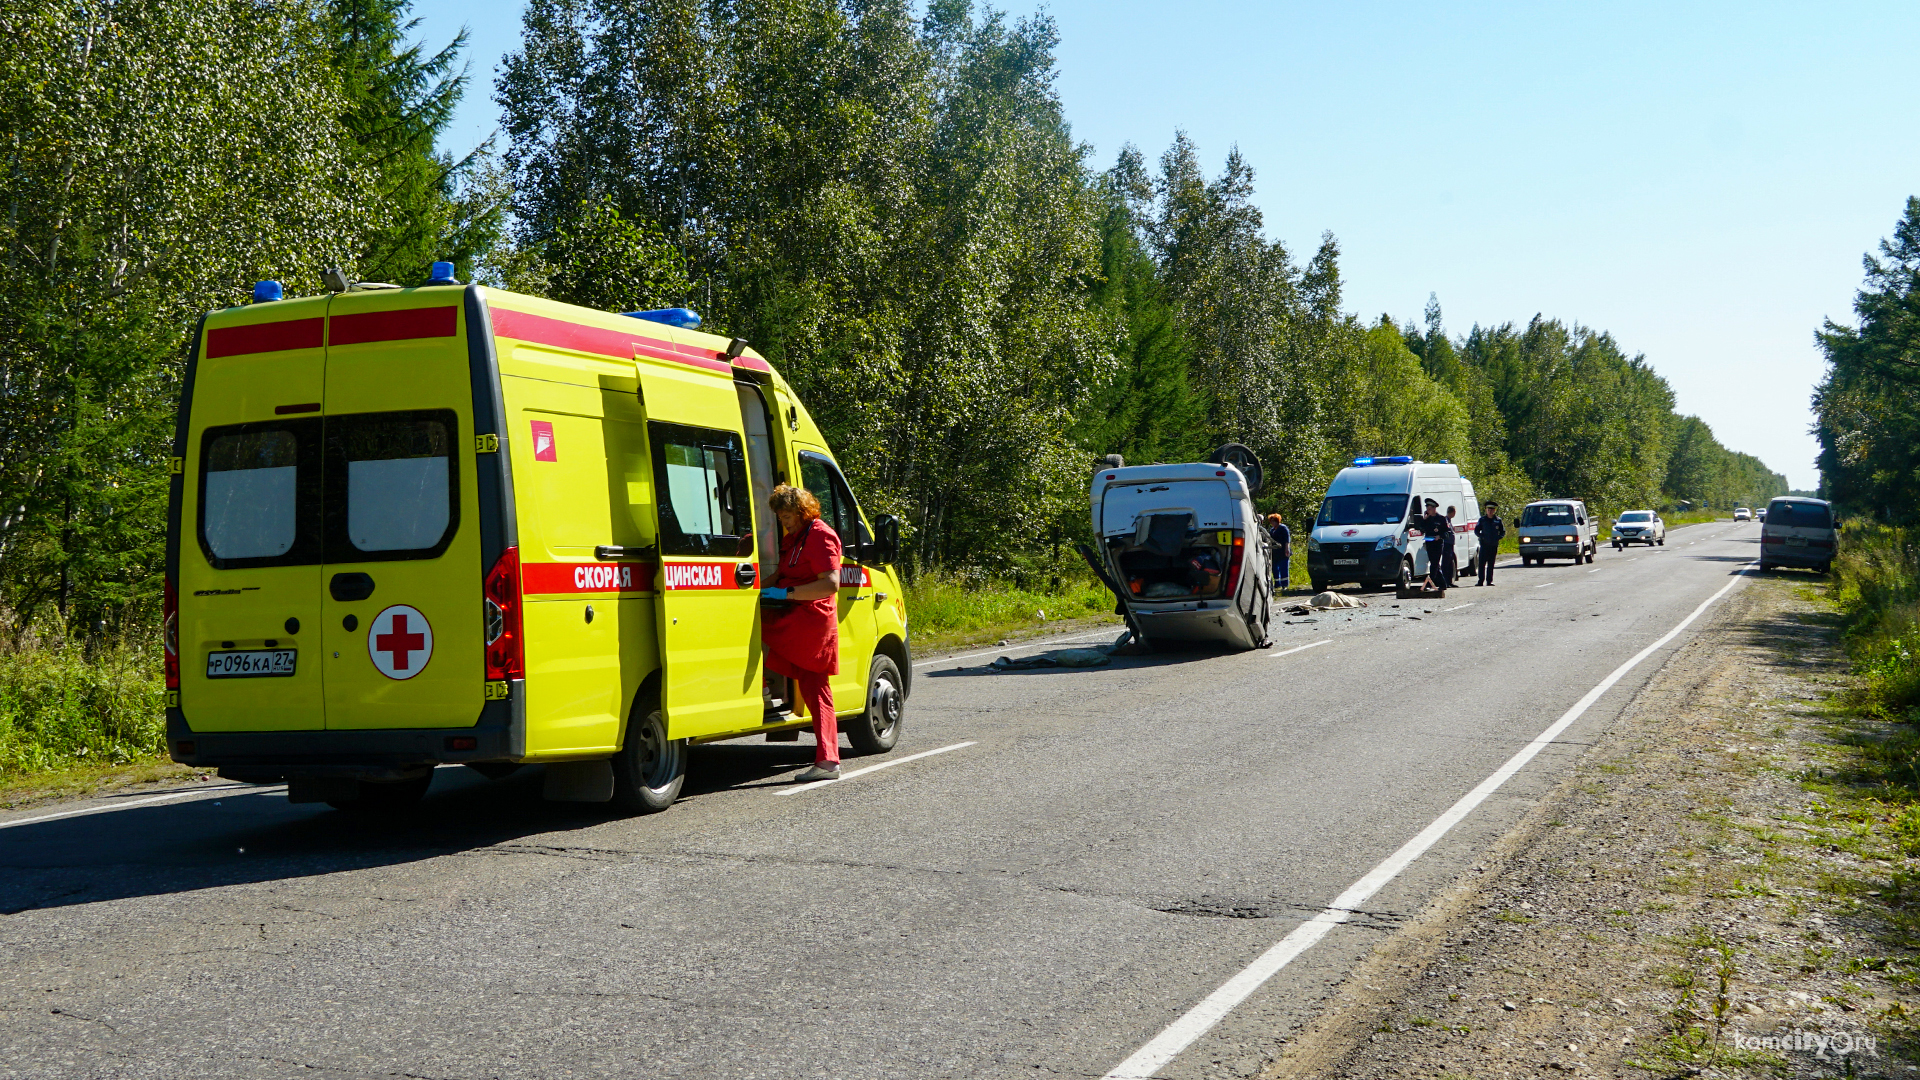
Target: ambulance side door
x=708 y=611
x=821 y=476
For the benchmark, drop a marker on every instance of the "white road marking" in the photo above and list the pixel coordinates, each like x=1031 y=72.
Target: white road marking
x=1544 y=584
x=1297 y=648
x=1468 y=604
x=246 y=788
x=845 y=776
x=1596 y=570
x=1147 y=1061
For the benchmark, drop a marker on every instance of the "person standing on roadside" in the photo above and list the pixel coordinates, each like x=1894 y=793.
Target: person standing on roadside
x=1490 y=529
x=802 y=641
x=1450 y=562
x=1432 y=525
x=1282 y=551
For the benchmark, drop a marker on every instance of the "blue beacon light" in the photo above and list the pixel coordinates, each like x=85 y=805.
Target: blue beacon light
x=684 y=318
x=441 y=274
x=1363 y=461
x=264 y=291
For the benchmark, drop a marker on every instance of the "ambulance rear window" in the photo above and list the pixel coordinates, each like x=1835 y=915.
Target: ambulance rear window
x=251 y=493
x=260 y=494
x=390 y=485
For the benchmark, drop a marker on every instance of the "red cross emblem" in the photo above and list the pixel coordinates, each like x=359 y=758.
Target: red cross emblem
x=400 y=642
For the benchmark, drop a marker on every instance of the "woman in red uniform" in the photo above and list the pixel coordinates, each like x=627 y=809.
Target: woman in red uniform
x=803 y=641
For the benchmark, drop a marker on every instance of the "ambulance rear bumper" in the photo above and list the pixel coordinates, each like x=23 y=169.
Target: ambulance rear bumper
x=267 y=757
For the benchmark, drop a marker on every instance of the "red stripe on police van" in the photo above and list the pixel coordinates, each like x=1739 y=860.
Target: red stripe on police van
x=265 y=337
x=619 y=344
x=698 y=575
x=368 y=326
x=595 y=577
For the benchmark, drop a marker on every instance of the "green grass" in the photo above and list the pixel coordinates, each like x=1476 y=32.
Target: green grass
x=61 y=708
x=947 y=611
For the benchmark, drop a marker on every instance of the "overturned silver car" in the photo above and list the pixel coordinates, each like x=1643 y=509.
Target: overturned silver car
x=1183 y=550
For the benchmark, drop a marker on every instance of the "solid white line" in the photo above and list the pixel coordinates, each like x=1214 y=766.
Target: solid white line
x=1469 y=603
x=1544 y=584
x=1010 y=648
x=872 y=768
x=1297 y=648
x=130 y=802
x=1164 y=1047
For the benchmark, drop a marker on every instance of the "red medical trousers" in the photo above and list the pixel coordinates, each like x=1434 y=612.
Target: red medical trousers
x=816 y=691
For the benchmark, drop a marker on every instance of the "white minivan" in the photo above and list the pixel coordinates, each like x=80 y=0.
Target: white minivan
x=1558 y=529
x=1184 y=550
x=1364 y=531
x=1798 y=532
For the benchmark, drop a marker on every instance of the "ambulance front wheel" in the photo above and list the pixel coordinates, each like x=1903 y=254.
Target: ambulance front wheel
x=648 y=771
x=877 y=730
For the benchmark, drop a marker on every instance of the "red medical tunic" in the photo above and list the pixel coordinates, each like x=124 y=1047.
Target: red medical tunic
x=806 y=636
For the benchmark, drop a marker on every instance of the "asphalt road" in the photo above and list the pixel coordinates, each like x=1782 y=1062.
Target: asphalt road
x=1112 y=846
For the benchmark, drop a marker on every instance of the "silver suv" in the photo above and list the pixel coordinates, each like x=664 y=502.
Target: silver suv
x=1638 y=527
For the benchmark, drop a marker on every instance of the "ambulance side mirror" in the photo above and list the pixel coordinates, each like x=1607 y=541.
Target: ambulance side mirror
x=885 y=548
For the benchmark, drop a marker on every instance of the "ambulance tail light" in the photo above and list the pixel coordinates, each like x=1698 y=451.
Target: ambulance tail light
x=502 y=604
x=1233 y=564
x=170 y=633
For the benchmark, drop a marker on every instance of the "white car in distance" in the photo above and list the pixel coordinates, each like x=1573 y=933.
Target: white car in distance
x=1741 y=513
x=1638 y=527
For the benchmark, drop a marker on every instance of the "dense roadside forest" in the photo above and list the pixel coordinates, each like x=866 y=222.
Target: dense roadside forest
x=890 y=206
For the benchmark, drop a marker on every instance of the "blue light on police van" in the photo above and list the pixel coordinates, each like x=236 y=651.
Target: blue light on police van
x=264 y=291
x=1363 y=461
x=441 y=274
x=684 y=318
x=1400 y=459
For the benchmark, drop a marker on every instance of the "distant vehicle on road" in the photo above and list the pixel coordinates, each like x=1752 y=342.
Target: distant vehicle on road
x=1760 y=514
x=1557 y=529
x=1184 y=550
x=1638 y=527
x=1798 y=532
x=1741 y=513
x=1361 y=532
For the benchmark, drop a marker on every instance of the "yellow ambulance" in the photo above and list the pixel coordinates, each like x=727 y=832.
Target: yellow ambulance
x=450 y=524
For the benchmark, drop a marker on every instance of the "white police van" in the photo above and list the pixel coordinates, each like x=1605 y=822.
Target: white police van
x=1365 y=529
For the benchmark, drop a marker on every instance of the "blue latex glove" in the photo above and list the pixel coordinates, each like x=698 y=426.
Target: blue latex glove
x=773 y=594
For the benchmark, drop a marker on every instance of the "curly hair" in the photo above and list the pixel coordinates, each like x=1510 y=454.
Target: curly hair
x=1273 y=519
x=787 y=498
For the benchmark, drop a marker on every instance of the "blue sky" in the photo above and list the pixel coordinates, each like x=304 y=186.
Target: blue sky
x=1699 y=179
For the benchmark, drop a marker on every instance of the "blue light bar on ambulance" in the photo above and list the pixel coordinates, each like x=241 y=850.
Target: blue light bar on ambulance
x=1363 y=461
x=1397 y=459
x=684 y=318
x=264 y=291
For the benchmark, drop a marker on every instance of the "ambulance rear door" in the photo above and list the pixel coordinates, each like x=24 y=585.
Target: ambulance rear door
x=250 y=524
x=401 y=583
x=709 y=599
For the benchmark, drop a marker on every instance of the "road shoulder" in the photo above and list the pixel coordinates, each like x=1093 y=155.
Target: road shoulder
x=1690 y=900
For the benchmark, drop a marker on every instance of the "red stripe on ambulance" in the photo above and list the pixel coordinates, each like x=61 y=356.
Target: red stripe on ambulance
x=615 y=343
x=266 y=337
x=596 y=577
x=368 y=326
x=698 y=575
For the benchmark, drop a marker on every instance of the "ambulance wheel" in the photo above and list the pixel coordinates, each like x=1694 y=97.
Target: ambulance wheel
x=877 y=730
x=649 y=769
x=385 y=797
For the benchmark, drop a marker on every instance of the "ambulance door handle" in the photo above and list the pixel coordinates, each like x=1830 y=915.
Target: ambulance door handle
x=744 y=575
x=349 y=587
